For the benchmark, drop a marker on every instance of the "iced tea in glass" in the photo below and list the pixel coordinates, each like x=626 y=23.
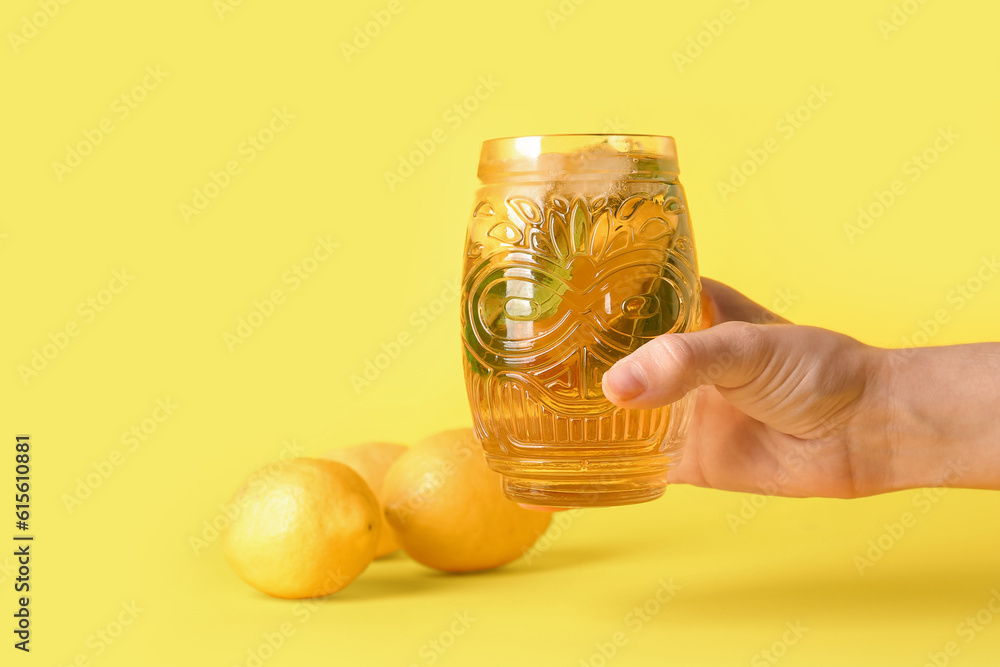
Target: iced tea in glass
x=579 y=250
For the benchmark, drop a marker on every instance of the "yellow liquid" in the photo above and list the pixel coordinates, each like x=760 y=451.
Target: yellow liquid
x=559 y=286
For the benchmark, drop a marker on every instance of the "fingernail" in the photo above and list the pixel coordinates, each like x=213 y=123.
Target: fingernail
x=626 y=380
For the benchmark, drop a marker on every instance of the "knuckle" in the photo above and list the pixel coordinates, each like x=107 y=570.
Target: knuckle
x=745 y=337
x=737 y=329
x=673 y=352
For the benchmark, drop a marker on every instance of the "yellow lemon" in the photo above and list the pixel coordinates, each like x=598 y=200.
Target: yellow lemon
x=372 y=461
x=448 y=510
x=304 y=530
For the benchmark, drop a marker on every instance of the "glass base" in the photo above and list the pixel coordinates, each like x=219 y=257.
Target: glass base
x=572 y=493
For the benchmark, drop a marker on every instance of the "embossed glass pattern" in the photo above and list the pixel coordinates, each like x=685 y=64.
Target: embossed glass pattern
x=579 y=250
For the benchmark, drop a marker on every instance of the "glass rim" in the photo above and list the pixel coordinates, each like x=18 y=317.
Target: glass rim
x=514 y=155
x=584 y=134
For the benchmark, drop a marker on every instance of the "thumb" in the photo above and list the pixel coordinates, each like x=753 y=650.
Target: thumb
x=729 y=355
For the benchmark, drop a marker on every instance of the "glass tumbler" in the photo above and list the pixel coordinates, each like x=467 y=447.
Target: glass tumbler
x=579 y=251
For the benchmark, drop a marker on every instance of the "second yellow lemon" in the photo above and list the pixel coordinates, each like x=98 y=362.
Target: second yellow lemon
x=448 y=510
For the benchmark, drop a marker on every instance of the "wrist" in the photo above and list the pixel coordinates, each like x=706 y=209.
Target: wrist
x=937 y=417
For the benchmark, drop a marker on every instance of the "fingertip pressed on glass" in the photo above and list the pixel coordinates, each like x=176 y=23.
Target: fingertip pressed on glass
x=578 y=251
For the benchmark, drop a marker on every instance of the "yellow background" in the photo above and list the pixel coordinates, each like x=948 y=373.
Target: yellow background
x=608 y=66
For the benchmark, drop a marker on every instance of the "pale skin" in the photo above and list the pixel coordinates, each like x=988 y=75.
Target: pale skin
x=800 y=411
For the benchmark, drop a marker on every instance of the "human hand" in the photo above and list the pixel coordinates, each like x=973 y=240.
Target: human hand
x=801 y=411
